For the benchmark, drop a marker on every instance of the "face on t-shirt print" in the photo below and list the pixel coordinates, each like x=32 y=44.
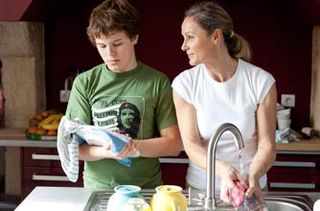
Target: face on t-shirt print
x=129 y=119
x=119 y=115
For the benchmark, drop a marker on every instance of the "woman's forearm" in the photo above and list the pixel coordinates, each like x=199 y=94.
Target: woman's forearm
x=263 y=160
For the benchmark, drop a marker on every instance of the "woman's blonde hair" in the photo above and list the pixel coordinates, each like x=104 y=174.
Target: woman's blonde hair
x=210 y=16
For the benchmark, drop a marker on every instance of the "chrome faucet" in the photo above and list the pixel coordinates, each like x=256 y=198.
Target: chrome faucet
x=210 y=201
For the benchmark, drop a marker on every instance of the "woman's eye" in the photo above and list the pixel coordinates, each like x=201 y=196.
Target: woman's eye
x=189 y=37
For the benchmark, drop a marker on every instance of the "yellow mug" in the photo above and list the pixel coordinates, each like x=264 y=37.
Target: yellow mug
x=169 y=198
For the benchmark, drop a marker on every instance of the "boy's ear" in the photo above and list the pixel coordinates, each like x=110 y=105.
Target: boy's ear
x=135 y=39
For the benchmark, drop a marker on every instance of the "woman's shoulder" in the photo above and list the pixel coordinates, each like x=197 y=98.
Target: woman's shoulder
x=190 y=73
x=253 y=70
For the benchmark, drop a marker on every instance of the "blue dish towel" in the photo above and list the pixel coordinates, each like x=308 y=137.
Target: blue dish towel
x=72 y=133
x=98 y=136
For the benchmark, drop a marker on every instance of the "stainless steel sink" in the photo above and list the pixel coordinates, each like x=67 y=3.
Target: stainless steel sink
x=288 y=203
x=275 y=202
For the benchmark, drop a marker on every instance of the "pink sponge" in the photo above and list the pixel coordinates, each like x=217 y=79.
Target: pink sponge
x=237 y=194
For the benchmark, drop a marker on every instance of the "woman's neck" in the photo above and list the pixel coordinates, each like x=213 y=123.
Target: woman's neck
x=223 y=69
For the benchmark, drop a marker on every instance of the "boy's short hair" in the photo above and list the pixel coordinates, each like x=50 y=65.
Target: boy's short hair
x=110 y=16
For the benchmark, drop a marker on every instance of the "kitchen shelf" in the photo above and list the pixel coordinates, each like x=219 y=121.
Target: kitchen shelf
x=16 y=137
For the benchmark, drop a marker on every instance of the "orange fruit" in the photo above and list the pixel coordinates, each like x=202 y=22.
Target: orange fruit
x=32 y=129
x=41 y=131
x=52 y=132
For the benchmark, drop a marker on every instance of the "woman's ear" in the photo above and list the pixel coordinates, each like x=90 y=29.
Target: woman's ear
x=217 y=35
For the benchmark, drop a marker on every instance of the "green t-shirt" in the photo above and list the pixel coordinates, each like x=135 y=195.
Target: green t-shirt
x=137 y=103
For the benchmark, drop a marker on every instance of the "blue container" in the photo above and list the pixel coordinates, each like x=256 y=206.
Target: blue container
x=123 y=193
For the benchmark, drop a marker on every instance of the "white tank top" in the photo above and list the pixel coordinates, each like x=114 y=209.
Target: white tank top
x=234 y=101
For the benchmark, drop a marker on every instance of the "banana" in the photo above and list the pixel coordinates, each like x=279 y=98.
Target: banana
x=55 y=121
x=53 y=126
x=50 y=119
x=49 y=112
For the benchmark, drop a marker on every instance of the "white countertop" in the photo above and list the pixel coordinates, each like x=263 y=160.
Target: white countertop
x=16 y=137
x=55 y=199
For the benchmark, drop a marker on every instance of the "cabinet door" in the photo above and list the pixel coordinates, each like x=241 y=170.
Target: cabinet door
x=174 y=169
x=41 y=167
x=294 y=173
x=41 y=157
x=43 y=176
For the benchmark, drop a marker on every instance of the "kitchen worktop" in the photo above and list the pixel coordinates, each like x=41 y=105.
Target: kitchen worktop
x=16 y=137
x=311 y=145
x=66 y=198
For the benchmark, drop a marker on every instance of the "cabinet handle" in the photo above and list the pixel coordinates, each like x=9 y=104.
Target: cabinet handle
x=295 y=164
x=174 y=160
x=44 y=157
x=39 y=177
x=292 y=185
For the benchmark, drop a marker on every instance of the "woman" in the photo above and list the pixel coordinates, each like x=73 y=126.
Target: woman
x=97 y=96
x=223 y=87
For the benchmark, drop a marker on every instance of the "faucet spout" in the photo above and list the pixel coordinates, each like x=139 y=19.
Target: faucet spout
x=210 y=201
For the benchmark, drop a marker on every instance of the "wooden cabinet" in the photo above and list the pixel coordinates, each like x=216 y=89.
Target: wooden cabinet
x=174 y=169
x=295 y=172
x=41 y=167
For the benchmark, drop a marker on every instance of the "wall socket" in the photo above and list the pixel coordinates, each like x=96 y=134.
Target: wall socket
x=64 y=96
x=288 y=100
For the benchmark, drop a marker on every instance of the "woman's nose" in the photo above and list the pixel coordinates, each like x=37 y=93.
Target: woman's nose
x=184 y=46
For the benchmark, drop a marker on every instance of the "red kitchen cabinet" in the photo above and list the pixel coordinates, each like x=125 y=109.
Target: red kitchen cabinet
x=41 y=167
x=174 y=169
x=295 y=172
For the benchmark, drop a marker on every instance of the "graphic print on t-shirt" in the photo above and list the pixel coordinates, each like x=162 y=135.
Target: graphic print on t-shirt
x=121 y=114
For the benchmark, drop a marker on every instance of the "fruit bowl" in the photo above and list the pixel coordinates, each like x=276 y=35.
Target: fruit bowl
x=41 y=137
x=44 y=126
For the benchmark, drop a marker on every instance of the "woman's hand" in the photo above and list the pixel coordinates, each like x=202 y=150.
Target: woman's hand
x=254 y=188
x=229 y=177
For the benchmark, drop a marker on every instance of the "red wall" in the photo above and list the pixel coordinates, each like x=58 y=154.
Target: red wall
x=280 y=38
x=12 y=10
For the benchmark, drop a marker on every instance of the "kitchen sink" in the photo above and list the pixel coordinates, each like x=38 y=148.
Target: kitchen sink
x=274 y=202
x=288 y=203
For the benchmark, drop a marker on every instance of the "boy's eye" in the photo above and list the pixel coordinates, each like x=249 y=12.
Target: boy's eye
x=117 y=44
x=101 y=46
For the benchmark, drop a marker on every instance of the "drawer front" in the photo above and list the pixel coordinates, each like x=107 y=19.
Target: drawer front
x=34 y=172
x=174 y=170
x=299 y=158
x=42 y=176
x=295 y=173
x=41 y=157
x=41 y=167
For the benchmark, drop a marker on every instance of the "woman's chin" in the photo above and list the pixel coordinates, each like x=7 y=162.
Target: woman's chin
x=192 y=63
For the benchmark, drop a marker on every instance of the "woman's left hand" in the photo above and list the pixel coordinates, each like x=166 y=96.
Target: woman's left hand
x=254 y=188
